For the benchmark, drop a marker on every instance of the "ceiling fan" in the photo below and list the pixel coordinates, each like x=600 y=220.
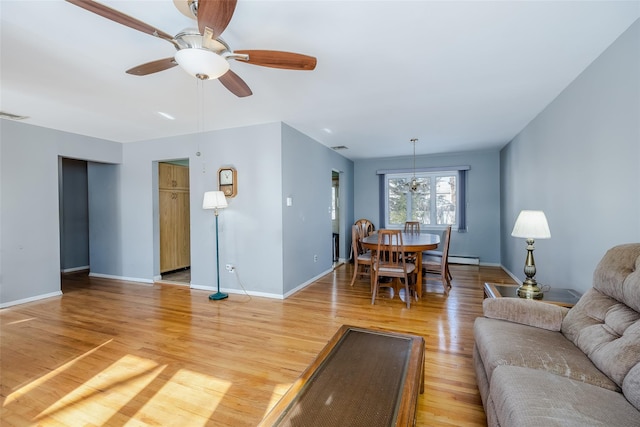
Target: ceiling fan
x=201 y=51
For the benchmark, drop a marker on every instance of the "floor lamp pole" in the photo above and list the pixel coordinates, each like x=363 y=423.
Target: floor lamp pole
x=218 y=295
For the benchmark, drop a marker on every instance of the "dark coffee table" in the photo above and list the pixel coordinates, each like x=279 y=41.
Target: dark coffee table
x=362 y=377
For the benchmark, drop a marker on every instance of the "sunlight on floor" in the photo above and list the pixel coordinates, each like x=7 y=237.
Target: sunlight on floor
x=154 y=391
x=23 y=391
x=103 y=395
x=21 y=321
x=168 y=399
x=278 y=391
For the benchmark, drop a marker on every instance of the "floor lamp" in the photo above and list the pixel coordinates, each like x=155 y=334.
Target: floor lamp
x=216 y=200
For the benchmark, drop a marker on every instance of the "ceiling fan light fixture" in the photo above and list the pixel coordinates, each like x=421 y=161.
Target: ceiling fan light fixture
x=202 y=63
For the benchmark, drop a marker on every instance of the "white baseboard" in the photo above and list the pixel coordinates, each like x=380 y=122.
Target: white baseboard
x=307 y=283
x=490 y=264
x=30 y=299
x=263 y=294
x=126 y=279
x=235 y=291
x=513 y=276
x=71 y=270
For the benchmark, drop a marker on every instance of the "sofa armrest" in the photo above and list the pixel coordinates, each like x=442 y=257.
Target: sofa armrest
x=526 y=312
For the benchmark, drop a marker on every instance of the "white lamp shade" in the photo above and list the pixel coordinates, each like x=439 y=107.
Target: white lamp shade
x=202 y=62
x=214 y=200
x=531 y=225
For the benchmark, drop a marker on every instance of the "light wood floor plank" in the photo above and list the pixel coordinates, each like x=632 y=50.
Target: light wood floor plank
x=116 y=353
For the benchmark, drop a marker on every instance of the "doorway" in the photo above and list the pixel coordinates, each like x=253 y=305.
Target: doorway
x=174 y=221
x=335 y=218
x=73 y=184
x=88 y=195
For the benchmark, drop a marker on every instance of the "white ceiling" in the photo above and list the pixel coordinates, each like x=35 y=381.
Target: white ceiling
x=457 y=75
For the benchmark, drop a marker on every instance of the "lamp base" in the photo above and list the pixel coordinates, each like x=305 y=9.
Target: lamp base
x=530 y=291
x=218 y=296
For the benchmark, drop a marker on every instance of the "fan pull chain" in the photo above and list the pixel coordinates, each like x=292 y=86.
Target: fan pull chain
x=200 y=105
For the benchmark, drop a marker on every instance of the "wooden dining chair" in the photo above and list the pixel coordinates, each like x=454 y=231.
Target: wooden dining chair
x=412 y=227
x=439 y=266
x=361 y=257
x=437 y=255
x=366 y=225
x=389 y=261
x=367 y=228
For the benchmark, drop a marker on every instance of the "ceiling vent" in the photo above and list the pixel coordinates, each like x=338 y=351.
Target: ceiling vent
x=340 y=147
x=5 y=115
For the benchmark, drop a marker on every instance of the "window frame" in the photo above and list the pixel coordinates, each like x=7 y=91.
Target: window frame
x=432 y=175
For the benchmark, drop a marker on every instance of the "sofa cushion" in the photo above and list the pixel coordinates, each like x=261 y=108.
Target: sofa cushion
x=525 y=397
x=631 y=386
x=605 y=323
x=618 y=275
x=505 y=343
x=525 y=311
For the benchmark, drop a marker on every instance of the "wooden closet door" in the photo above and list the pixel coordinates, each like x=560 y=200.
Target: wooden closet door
x=173 y=177
x=183 y=230
x=175 y=239
x=181 y=177
x=168 y=240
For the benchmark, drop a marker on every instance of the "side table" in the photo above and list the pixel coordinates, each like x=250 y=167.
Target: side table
x=558 y=296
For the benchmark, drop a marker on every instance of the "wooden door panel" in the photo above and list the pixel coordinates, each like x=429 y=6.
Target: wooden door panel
x=168 y=246
x=175 y=241
x=183 y=230
x=181 y=177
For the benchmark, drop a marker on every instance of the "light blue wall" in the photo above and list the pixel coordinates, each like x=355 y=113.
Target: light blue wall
x=248 y=227
x=482 y=238
x=30 y=227
x=123 y=207
x=307 y=228
x=106 y=238
x=578 y=161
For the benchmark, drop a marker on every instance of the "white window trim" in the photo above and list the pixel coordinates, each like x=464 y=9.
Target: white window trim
x=419 y=174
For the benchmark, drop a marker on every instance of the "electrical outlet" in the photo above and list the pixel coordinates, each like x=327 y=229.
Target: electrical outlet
x=230 y=268
x=315 y=258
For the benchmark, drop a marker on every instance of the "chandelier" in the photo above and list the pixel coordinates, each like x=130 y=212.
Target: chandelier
x=415 y=186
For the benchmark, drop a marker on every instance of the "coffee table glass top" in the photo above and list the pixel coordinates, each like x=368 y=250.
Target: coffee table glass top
x=559 y=296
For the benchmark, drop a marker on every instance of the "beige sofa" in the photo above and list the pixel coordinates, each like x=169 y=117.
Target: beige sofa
x=540 y=364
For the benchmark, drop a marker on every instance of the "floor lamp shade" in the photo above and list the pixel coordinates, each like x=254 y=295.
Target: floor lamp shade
x=215 y=200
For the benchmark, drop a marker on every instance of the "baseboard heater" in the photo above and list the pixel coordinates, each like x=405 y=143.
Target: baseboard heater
x=461 y=259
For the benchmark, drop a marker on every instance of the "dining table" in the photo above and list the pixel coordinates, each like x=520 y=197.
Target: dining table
x=414 y=243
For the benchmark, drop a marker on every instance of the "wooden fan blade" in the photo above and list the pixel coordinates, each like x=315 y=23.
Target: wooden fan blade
x=235 y=84
x=120 y=18
x=278 y=59
x=215 y=14
x=153 y=67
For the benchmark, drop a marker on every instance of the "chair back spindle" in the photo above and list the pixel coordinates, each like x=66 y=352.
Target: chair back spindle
x=412 y=227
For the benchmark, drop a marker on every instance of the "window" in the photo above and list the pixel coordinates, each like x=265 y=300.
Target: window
x=434 y=204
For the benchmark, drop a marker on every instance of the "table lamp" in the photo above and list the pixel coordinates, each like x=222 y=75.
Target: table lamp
x=216 y=200
x=531 y=225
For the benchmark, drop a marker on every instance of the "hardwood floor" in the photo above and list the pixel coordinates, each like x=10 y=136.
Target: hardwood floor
x=117 y=353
